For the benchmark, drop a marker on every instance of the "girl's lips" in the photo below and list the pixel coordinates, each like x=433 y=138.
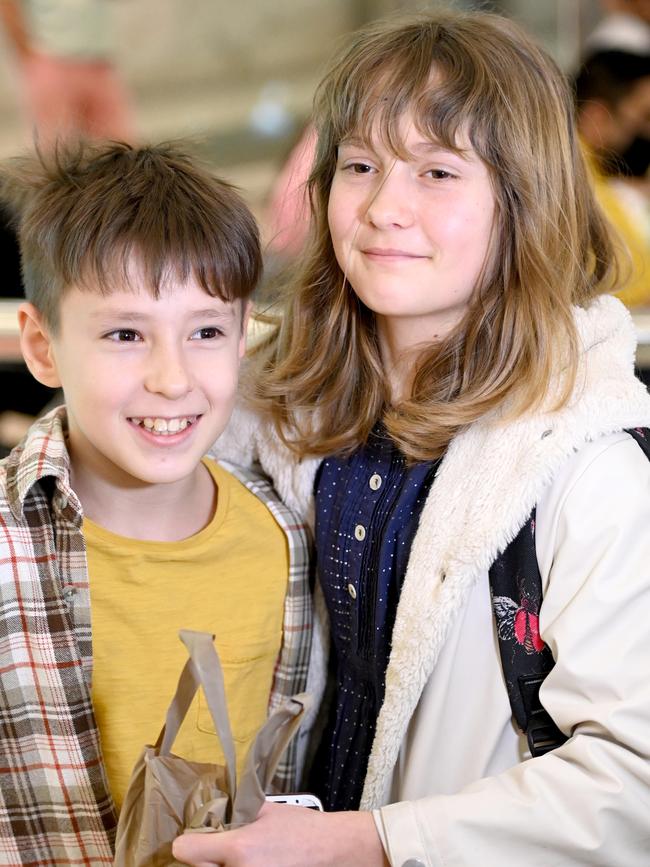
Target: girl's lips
x=390 y=253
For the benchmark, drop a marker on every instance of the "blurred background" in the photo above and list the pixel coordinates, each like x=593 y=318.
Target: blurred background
x=238 y=79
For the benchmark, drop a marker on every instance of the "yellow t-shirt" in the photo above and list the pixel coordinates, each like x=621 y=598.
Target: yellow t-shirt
x=229 y=579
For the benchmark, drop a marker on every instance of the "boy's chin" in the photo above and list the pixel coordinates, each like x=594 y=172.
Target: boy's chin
x=143 y=476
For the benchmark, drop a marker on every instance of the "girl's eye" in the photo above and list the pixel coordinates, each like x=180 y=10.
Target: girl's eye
x=207 y=333
x=358 y=168
x=124 y=335
x=440 y=174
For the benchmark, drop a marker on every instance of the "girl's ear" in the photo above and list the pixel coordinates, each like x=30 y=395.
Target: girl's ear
x=36 y=346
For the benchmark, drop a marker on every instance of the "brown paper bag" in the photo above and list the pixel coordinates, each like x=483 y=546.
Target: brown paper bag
x=168 y=795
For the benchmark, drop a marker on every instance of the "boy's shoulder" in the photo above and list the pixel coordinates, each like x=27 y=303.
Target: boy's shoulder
x=250 y=477
x=41 y=454
x=292 y=524
x=257 y=483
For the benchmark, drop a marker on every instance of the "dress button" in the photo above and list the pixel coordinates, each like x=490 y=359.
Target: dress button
x=360 y=532
x=352 y=591
x=413 y=862
x=375 y=481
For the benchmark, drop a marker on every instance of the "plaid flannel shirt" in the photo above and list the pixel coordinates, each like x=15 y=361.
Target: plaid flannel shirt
x=55 y=805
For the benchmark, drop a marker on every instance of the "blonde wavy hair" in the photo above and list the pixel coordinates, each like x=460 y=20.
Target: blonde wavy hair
x=319 y=374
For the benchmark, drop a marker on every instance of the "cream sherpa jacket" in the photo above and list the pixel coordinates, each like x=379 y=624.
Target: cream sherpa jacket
x=446 y=756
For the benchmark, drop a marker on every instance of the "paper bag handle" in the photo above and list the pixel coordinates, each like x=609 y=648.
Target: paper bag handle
x=201 y=669
x=264 y=756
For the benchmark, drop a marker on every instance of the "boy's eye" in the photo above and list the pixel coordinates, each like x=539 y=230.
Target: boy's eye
x=207 y=333
x=124 y=335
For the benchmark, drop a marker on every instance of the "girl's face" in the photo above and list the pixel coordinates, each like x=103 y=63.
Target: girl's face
x=412 y=235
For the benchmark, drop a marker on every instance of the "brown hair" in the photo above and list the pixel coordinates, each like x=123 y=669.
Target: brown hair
x=84 y=210
x=320 y=374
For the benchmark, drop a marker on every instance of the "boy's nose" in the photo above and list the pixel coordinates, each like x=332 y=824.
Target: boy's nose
x=167 y=375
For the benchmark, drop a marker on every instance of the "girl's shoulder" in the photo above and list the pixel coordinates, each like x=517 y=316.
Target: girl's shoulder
x=613 y=460
x=602 y=492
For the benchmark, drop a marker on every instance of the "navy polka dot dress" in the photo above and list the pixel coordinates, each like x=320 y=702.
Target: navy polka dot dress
x=367 y=511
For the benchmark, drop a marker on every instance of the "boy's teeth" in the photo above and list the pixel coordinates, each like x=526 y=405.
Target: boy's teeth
x=165 y=425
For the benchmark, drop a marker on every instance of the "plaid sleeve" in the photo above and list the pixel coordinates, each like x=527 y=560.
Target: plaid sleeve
x=55 y=808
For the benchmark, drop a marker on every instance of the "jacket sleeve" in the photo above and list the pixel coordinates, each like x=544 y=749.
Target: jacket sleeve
x=588 y=802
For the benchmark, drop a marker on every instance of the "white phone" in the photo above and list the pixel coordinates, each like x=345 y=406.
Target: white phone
x=300 y=799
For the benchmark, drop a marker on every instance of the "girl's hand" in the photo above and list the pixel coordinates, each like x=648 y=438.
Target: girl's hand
x=285 y=836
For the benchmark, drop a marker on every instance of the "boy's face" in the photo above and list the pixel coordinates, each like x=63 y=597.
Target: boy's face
x=149 y=384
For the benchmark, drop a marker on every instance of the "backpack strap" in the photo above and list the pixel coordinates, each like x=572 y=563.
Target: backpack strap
x=516 y=589
x=642 y=437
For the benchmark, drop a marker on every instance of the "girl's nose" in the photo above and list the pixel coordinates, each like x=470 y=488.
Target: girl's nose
x=391 y=204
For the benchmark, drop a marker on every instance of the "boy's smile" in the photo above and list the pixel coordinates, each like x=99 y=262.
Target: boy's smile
x=149 y=384
x=164 y=426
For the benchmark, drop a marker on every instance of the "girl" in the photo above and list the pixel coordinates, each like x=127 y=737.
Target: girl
x=448 y=377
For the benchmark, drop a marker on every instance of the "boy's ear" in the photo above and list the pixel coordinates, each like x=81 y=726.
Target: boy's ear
x=36 y=345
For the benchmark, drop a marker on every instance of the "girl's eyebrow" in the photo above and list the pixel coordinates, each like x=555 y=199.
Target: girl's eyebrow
x=353 y=141
x=432 y=148
x=425 y=147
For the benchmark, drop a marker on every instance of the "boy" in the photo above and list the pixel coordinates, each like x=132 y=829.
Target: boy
x=114 y=531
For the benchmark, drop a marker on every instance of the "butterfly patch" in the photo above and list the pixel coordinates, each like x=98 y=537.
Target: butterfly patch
x=518 y=621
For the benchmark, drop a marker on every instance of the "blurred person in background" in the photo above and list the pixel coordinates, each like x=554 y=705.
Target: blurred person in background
x=287 y=214
x=613 y=114
x=64 y=54
x=625 y=26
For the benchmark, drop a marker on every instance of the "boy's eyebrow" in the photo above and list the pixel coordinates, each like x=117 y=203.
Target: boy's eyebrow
x=137 y=316
x=214 y=313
